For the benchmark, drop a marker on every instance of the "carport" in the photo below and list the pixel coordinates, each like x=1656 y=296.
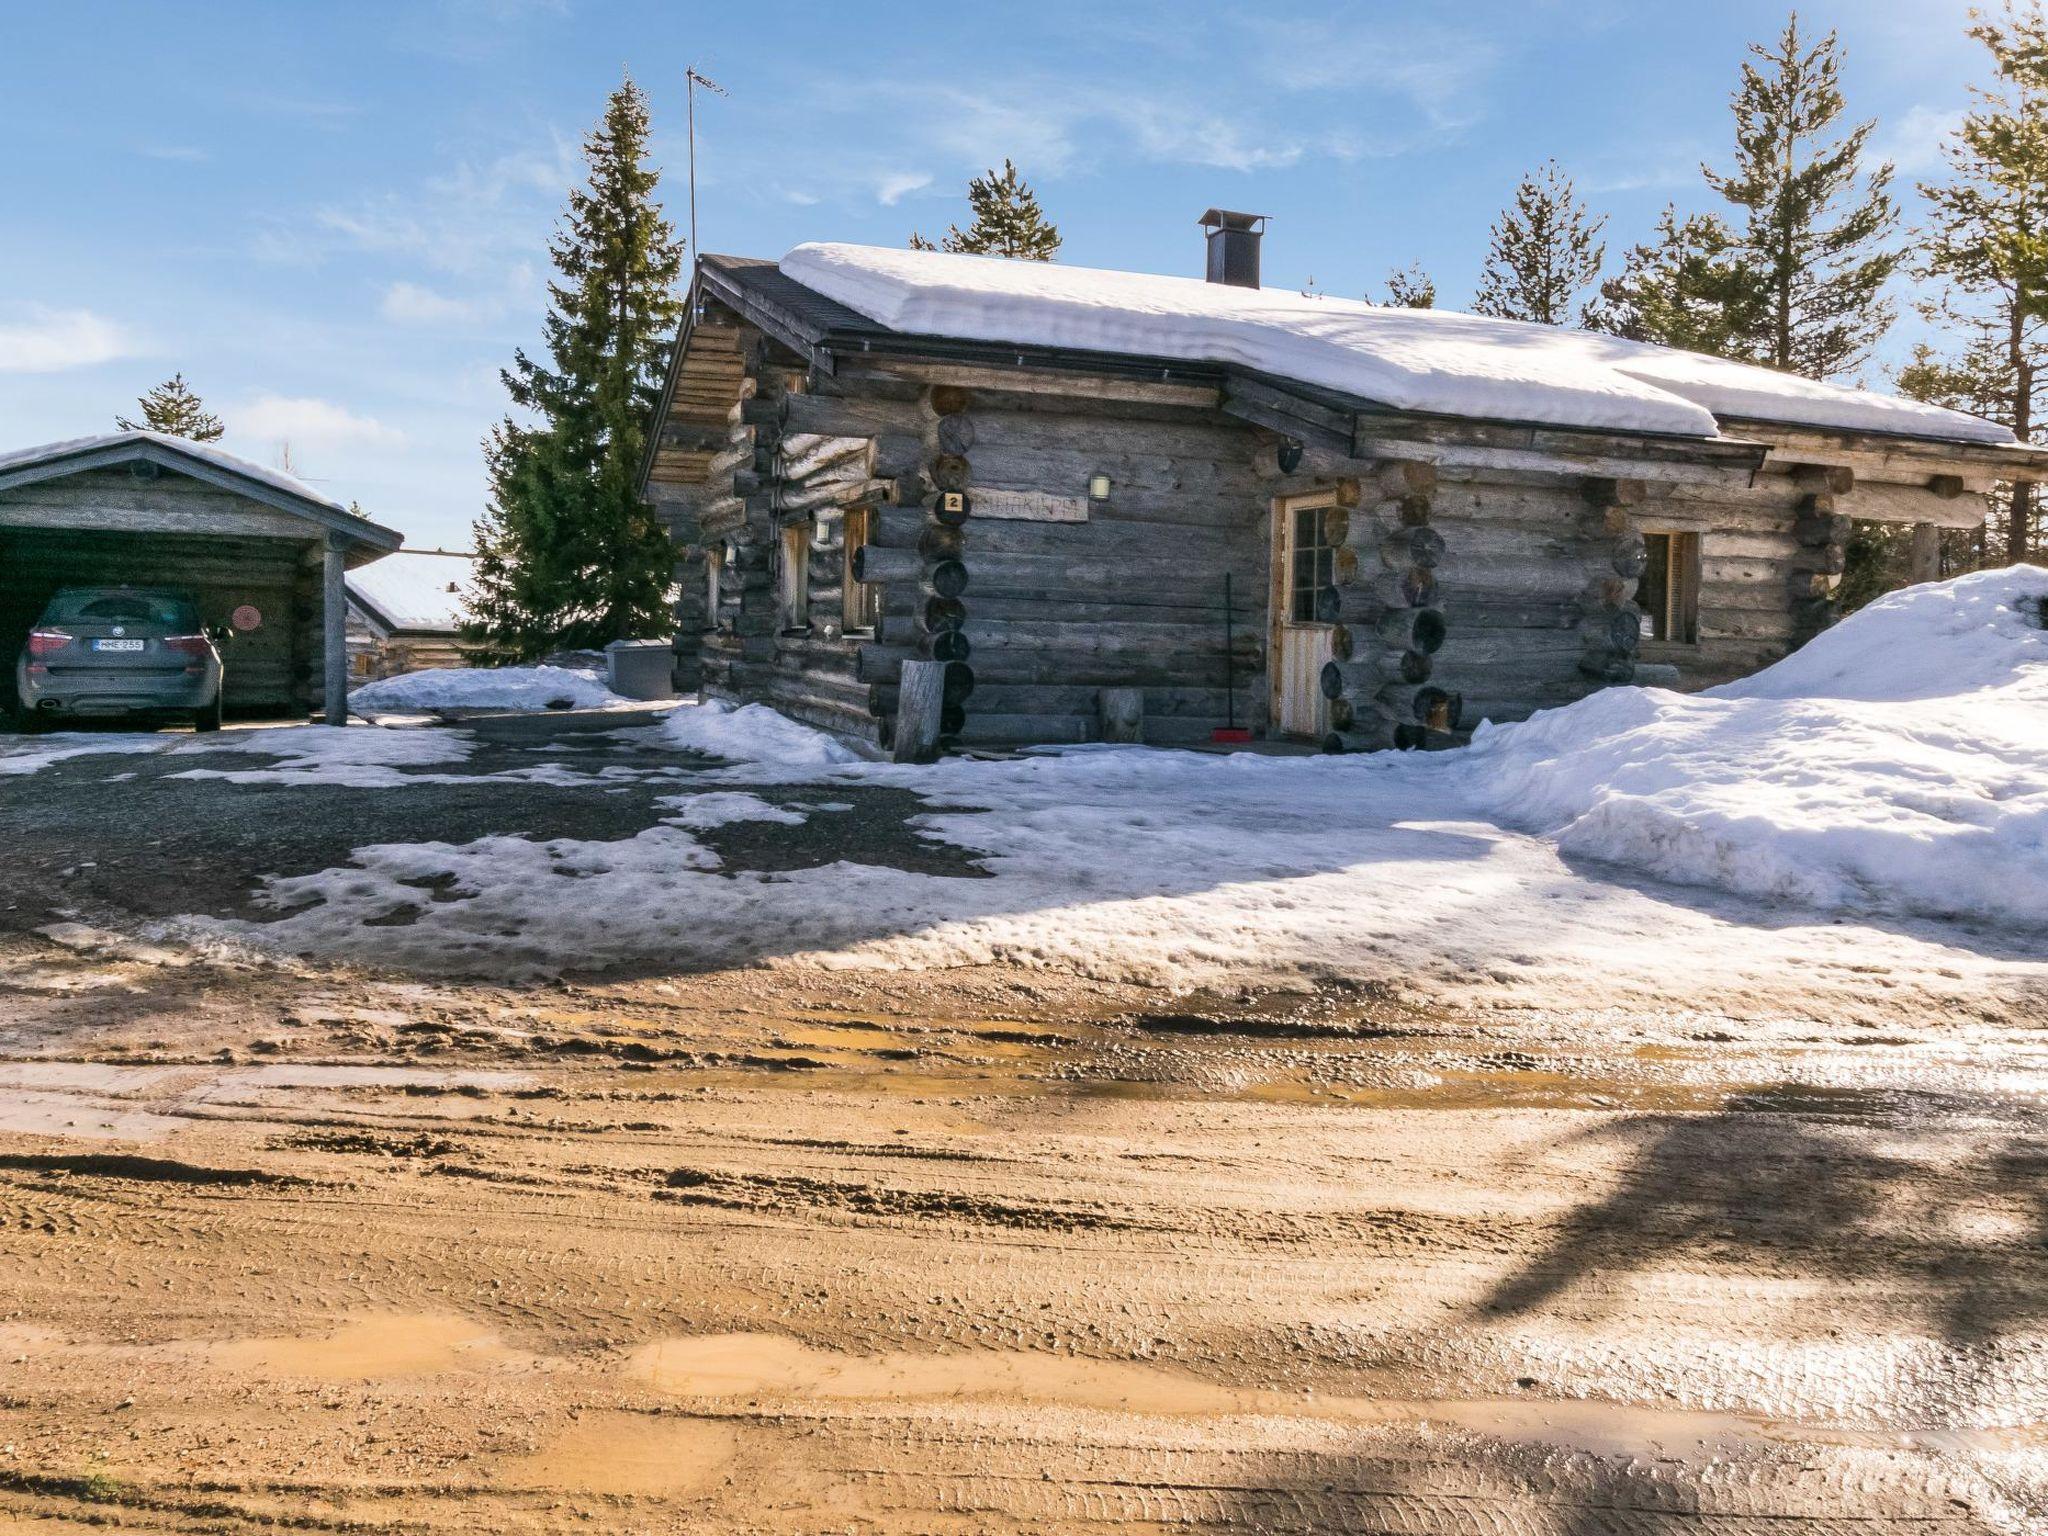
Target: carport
x=262 y=552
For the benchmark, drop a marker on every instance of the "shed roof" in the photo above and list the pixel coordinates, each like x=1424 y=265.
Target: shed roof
x=414 y=589
x=202 y=461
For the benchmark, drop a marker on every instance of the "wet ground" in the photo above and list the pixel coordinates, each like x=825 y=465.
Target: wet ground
x=291 y=1245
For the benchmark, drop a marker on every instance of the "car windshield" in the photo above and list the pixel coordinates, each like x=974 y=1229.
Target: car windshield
x=165 y=608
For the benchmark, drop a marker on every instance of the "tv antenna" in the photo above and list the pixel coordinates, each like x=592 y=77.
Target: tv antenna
x=691 y=80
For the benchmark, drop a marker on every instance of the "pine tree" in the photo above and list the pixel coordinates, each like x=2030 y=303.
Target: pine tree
x=1410 y=287
x=173 y=408
x=1681 y=288
x=1545 y=252
x=1007 y=221
x=1987 y=249
x=567 y=554
x=1813 y=226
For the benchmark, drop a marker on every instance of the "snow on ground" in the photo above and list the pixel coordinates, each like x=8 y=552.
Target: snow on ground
x=32 y=754
x=754 y=733
x=358 y=757
x=446 y=688
x=1183 y=869
x=1895 y=771
x=1424 y=360
x=1897 y=764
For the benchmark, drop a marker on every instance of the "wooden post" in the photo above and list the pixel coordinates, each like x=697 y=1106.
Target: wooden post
x=334 y=632
x=920 y=701
x=1123 y=714
x=1926 y=559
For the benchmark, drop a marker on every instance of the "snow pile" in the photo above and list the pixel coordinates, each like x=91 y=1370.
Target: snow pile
x=1899 y=763
x=1419 y=360
x=447 y=688
x=752 y=733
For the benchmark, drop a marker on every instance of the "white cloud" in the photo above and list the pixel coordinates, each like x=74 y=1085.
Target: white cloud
x=305 y=422
x=45 y=340
x=410 y=304
x=1913 y=140
x=898 y=185
x=1439 y=70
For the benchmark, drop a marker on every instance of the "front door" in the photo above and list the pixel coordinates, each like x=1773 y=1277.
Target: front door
x=1304 y=613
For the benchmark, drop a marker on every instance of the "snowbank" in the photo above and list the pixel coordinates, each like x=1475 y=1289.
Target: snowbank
x=1419 y=360
x=1898 y=763
x=447 y=688
x=752 y=733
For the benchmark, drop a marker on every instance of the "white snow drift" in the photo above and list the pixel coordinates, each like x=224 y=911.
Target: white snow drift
x=449 y=688
x=1898 y=763
x=1410 y=359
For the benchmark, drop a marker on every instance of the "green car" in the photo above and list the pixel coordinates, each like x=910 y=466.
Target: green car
x=100 y=652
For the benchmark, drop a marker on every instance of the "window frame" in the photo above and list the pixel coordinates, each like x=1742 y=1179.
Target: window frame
x=715 y=558
x=1668 y=592
x=793 y=577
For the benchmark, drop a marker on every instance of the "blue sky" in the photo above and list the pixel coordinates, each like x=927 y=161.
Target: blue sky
x=333 y=218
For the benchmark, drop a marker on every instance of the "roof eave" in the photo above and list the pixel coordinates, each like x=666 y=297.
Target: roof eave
x=107 y=455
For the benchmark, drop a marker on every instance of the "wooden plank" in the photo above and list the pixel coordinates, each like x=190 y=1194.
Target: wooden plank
x=1027 y=506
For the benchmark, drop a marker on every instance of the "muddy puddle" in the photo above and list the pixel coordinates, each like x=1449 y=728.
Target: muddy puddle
x=371 y=1347
x=770 y=1368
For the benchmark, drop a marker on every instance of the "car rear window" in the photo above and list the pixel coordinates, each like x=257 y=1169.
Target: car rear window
x=163 y=608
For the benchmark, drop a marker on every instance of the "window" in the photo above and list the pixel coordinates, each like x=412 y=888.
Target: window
x=1669 y=593
x=1311 y=581
x=860 y=601
x=793 y=577
x=715 y=560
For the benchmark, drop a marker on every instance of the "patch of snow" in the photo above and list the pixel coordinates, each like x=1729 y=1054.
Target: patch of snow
x=32 y=754
x=752 y=733
x=1419 y=360
x=447 y=688
x=364 y=757
x=701 y=811
x=1899 y=764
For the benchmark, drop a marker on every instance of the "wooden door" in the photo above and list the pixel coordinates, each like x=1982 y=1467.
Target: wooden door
x=1304 y=612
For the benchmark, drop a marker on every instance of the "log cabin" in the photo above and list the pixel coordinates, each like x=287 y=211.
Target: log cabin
x=927 y=501
x=405 y=613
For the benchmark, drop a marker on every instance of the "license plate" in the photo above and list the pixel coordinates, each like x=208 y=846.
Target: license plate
x=119 y=645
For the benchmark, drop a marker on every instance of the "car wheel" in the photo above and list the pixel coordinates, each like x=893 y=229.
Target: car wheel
x=208 y=719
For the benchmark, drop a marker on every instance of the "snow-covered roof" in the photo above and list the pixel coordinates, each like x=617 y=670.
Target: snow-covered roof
x=416 y=589
x=79 y=453
x=1435 y=361
x=220 y=457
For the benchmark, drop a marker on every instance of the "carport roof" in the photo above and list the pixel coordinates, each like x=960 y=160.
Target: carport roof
x=202 y=461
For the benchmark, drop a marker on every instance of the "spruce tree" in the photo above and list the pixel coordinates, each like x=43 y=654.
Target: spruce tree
x=1410 y=287
x=1681 y=288
x=1812 y=227
x=567 y=554
x=1986 y=250
x=173 y=408
x=1545 y=252
x=1007 y=221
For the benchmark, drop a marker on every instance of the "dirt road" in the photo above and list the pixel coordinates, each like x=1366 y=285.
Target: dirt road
x=292 y=1245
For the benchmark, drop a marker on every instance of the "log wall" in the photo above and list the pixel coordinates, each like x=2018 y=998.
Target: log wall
x=1463 y=593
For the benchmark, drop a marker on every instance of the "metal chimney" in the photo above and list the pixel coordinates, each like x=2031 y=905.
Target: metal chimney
x=1234 y=246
